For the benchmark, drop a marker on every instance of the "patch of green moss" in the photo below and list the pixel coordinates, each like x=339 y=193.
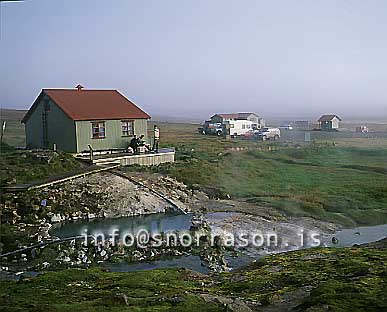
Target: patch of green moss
x=316 y=279
x=19 y=167
x=336 y=184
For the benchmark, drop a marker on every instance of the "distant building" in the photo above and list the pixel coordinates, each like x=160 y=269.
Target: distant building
x=220 y=118
x=297 y=124
x=302 y=124
x=72 y=119
x=256 y=120
x=329 y=122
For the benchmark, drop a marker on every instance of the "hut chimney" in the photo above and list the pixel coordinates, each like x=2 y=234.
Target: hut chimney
x=79 y=87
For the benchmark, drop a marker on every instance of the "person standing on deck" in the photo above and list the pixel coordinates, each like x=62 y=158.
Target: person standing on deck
x=156 y=136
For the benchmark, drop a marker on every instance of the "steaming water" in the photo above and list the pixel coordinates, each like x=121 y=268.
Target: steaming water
x=178 y=222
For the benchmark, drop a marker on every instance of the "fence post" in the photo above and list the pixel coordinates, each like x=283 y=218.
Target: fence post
x=91 y=153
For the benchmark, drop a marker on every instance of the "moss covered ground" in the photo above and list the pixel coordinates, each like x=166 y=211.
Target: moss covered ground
x=18 y=166
x=347 y=279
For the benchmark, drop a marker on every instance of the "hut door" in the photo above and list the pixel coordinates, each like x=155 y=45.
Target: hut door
x=44 y=123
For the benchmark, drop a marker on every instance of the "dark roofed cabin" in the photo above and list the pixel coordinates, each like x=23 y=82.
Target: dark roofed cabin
x=74 y=118
x=329 y=122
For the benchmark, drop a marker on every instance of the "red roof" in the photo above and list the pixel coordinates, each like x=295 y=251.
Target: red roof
x=91 y=104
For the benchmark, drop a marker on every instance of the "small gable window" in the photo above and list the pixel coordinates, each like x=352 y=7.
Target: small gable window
x=127 y=127
x=98 y=129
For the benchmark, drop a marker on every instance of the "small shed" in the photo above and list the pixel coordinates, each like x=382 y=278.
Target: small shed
x=329 y=122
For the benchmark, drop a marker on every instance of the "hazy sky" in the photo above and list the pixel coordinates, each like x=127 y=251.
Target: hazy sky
x=197 y=57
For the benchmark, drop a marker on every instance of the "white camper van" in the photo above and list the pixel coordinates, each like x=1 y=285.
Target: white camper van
x=240 y=127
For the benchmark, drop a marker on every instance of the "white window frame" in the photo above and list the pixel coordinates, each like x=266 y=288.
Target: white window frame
x=98 y=129
x=127 y=128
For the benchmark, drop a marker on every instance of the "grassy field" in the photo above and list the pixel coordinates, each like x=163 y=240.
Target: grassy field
x=18 y=167
x=14 y=131
x=347 y=279
x=340 y=180
x=343 y=181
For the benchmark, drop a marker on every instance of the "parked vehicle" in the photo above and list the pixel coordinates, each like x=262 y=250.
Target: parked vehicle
x=211 y=128
x=250 y=134
x=362 y=129
x=236 y=127
x=269 y=134
x=286 y=127
x=240 y=127
x=201 y=130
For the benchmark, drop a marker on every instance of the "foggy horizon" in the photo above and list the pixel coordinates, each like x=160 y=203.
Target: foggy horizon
x=193 y=59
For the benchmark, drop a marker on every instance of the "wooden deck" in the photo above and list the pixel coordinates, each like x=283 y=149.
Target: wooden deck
x=164 y=155
x=100 y=162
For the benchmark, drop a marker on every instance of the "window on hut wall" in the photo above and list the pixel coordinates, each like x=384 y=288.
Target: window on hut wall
x=127 y=127
x=98 y=129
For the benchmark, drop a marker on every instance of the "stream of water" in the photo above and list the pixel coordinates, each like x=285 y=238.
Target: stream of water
x=157 y=223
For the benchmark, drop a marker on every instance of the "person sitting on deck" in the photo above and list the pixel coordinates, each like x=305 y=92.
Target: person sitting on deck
x=142 y=143
x=134 y=144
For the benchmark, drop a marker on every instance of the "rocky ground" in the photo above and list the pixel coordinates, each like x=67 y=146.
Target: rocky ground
x=118 y=194
x=271 y=236
x=185 y=198
x=99 y=195
x=28 y=216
